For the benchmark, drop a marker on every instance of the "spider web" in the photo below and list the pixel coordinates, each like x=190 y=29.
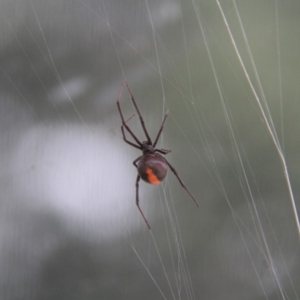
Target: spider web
x=228 y=73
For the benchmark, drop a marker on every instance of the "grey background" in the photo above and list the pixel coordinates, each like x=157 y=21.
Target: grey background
x=69 y=227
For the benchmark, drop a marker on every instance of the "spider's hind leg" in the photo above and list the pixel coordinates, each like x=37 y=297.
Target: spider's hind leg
x=138 y=200
x=181 y=182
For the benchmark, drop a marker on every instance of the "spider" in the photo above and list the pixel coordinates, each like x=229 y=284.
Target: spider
x=152 y=167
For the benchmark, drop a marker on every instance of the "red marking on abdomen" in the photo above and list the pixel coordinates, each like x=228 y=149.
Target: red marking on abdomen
x=152 y=177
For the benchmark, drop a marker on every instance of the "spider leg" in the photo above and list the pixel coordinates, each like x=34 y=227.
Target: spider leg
x=140 y=115
x=129 y=118
x=179 y=179
x=137 y=200
x=136 y=160
x=124 y=122
x=161 y=128
x=128 y=142
x=163 y=151
x=124 y=136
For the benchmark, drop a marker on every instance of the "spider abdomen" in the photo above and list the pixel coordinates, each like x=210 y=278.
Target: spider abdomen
x=152 y=168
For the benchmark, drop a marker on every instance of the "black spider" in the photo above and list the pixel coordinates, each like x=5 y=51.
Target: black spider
x=151 y=166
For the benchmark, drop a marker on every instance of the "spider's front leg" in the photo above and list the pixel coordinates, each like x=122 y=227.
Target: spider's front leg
x=128 y=142
x=139 y=144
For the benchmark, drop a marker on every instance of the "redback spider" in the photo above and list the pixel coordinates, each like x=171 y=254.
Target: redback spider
x=151 y=166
